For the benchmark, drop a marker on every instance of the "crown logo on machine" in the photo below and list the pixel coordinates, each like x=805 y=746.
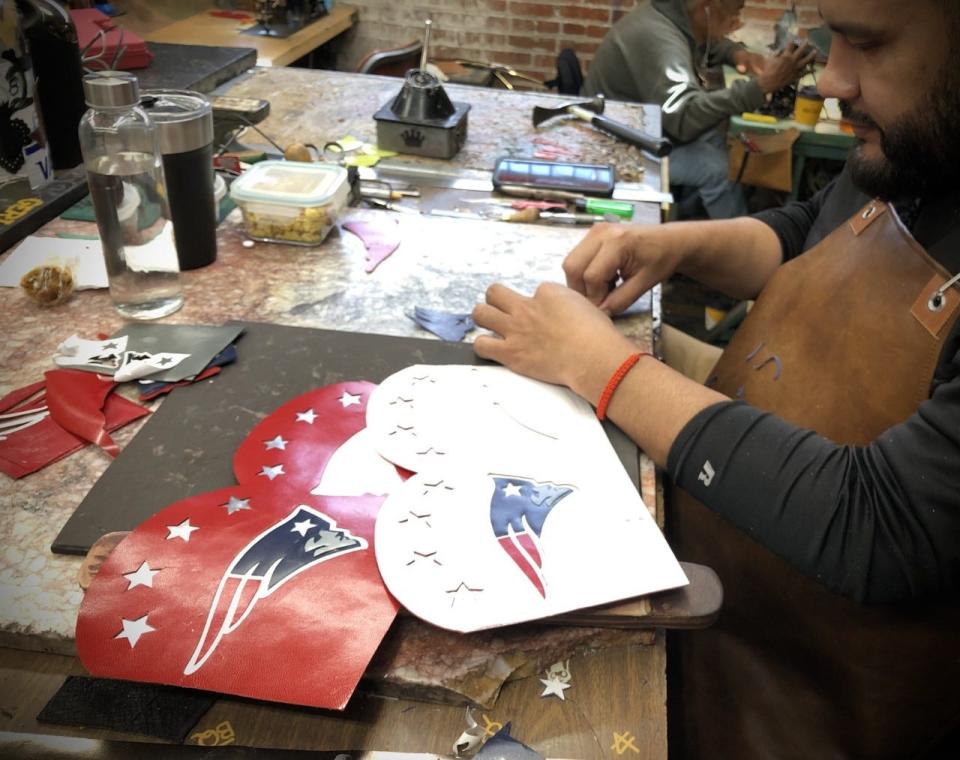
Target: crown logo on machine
x=413 y=138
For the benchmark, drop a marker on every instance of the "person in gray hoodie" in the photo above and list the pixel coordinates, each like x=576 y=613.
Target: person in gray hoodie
x=657 y=54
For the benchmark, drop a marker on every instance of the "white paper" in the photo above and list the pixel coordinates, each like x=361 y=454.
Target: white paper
x=85 y=258
x=355 y=469
x=573 y=530
x=137 y=365
x=102 y=356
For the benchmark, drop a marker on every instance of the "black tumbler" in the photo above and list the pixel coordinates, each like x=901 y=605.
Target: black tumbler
x=185 y=122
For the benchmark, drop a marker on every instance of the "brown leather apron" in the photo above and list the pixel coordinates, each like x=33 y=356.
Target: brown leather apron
x=844 y=341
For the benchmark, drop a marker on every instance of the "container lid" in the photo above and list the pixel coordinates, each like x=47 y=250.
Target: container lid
x=184 y=119
x=289 y=182
x=111 y=89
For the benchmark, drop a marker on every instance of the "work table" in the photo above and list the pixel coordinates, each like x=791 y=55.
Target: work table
x=327 y=287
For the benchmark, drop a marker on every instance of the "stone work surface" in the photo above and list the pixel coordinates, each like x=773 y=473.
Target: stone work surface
x=442 y=263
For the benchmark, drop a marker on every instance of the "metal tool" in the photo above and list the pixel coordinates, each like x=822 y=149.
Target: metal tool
x=598 y=206
x=422 y=119
x=477 y=180
x=591 y=111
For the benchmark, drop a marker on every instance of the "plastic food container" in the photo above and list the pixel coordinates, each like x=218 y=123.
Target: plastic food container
x=290 y=202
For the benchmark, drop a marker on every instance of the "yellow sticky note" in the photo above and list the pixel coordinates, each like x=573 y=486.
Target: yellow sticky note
x=361 y=159
x=349 y=142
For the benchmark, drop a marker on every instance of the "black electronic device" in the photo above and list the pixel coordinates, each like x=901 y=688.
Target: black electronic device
x=588 y=179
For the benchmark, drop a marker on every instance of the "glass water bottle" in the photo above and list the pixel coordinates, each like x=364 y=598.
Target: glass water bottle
x=121 y=153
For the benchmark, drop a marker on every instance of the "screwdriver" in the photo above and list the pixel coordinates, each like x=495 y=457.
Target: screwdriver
x=600 y=206
x=604 y=206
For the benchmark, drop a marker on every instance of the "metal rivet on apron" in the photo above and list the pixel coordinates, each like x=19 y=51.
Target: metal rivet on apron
x=939 y=299
x=869 y=212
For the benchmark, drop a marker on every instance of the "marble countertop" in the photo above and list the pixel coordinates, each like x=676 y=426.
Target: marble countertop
x=309 y=106
x=322 y=287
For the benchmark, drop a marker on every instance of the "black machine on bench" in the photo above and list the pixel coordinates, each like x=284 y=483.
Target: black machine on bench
x=422 y=119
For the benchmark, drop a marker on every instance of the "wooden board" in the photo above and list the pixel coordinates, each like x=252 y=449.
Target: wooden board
x=204 y=29
x=187 y=446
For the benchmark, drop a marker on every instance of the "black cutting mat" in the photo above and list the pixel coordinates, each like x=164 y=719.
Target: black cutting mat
x=187 y=446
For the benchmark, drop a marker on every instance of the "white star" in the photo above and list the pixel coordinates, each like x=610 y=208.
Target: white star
x=302 y=527
x=143 y=576
x=235 y=505
x=134 y=629
x=277 y=443
x=511 y=489
x=183 y=530
x=308 y=416
x=554 y=687
x=272 y=472
x=348 y=399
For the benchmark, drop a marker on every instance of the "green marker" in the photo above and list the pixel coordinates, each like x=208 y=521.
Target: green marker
x=603 y=206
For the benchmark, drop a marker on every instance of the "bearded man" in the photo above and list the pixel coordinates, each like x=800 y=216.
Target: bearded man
x=818 y=468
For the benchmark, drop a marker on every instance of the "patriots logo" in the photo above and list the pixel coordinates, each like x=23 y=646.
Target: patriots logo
x=519 y=508
x=302 y=540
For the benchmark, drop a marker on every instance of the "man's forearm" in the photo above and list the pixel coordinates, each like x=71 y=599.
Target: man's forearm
x=653 y=402
x=734 y=256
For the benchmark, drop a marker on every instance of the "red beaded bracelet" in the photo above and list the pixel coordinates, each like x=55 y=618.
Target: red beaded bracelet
x=615 y=380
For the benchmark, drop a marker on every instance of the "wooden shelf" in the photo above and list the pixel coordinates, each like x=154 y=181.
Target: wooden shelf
x=206 y=29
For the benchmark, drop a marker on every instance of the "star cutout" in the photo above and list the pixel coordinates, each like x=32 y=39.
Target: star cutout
x=403 y=429
x=348 y=399
x=183 y=530
x=235 y=505
x=431 y=486
x=134 y=629
x=308 y=416
x=276 y=443
x=303 y=527
x=142 y=576
x=554 y=687
x=511 y=489
x=165 y=361
x=111 y=345
x=462 y=591
x=425 y=555
x=272 y=472
x=419 y=517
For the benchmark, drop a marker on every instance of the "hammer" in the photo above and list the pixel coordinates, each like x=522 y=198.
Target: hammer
x=591 y=112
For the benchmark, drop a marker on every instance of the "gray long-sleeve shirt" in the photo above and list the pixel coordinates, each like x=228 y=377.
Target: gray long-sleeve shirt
x=651 y=56
x=879 y=523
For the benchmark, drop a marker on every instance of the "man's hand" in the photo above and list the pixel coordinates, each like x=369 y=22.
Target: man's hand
x=747 y=62
x=636 y=257
x=556 y=336
x=785 y=68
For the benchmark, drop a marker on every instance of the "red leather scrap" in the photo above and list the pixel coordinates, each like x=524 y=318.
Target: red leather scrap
x=34 y=447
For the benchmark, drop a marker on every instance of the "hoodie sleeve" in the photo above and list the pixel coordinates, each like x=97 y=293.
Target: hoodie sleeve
x=722 y=52
x=878 y=523
x=671 y=80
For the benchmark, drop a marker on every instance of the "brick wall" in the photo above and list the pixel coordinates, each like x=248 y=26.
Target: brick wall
x=520 y=33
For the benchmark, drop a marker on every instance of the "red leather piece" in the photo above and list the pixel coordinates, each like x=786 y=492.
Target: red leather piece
x=75 y=399
x=39 y=445
x=307 y=643
x=273 y=594
x=308 y=445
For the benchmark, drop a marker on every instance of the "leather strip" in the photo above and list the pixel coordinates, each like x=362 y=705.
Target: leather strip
x=867 y=216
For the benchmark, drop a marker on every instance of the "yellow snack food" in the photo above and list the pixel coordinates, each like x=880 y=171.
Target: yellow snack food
x=309 y=226
x=49 y=284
